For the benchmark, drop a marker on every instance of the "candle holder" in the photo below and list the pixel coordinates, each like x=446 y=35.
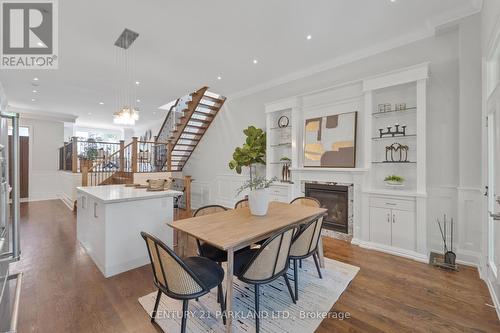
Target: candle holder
x=400 y=130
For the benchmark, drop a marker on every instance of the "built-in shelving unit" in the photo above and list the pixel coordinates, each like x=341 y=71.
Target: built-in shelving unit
x=281 y=143
x=396 y=214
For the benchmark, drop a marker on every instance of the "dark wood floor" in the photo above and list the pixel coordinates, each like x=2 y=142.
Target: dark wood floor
x=63 y=291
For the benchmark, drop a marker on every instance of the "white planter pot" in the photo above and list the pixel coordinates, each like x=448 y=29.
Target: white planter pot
x=393 y=183
x=258 y=200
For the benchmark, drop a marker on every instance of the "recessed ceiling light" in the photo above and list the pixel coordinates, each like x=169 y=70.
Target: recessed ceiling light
x=33 y=99
x=90 y=113
x=137 y=83
x=35 y=91
x=101 y=103
x=219 y=77
x=138 y=100
x=393 y=0
x=154 y=112
x=35 y=79
x=308 y=37
x=255 y=61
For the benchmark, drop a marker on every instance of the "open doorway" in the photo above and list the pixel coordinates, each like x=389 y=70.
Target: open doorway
x=24 y=160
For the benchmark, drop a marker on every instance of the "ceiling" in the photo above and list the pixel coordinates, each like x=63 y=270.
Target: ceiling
x=184 y=45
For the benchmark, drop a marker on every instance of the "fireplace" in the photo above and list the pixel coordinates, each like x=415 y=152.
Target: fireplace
x=336 y=199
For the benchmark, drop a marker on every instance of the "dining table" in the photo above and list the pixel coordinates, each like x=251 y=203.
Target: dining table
x=233 y=230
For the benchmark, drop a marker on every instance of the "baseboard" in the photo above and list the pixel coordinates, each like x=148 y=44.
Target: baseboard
x=67 y=201
x=391 y=250
x=46 y=198
x=42 y=196
x=494 y=298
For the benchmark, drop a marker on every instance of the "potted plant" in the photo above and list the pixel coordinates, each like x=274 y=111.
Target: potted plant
x=258 y=198
x=393 y=180
x=88 y=155
x=251 y=154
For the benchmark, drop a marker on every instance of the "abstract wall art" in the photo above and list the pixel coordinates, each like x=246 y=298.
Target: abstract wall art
x=331 y=141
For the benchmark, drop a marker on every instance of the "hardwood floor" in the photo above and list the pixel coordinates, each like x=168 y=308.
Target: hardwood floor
x=63 y=291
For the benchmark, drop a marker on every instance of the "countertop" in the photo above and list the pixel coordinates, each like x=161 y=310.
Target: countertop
x=120 y=193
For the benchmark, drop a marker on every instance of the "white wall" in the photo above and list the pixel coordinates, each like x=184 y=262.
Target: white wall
x=453 y=104
x=45 y=139
x=490 y=29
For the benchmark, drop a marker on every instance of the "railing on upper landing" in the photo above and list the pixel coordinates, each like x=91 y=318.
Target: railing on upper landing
x=98 y=156
x=77 y=153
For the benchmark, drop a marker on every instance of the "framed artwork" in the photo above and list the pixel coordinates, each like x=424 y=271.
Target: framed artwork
x=331 y=141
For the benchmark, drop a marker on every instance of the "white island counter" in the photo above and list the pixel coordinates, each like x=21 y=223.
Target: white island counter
x=110 y=219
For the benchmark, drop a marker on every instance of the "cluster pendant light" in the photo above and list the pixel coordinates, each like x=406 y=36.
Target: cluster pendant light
x=127 y=114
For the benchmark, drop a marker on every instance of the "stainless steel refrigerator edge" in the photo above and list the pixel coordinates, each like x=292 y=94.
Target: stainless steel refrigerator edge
x=9 y=221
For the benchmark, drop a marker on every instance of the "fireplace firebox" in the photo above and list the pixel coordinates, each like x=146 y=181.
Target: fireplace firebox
x=334 y=198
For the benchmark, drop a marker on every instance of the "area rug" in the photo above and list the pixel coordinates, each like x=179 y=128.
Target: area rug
x=278 y=313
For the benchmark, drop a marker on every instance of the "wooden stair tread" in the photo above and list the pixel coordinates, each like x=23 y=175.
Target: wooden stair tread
x=213 y=99
x=202 y=127
x=196 y=118
x=208 y=114
x=206 y=106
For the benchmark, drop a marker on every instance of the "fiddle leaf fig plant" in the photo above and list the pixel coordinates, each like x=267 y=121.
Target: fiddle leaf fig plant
x=252 y=152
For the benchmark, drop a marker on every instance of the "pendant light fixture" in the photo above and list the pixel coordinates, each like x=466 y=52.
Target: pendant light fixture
x=127 y=114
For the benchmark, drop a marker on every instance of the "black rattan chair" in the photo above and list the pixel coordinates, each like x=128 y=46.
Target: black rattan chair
x=304 y=245
x=266 y=264
x=204 y=249
x=241 y=204
x=182 y=279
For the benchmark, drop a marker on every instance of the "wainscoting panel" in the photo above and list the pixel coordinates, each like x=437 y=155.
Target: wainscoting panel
x=222 y=191
x=464 y=206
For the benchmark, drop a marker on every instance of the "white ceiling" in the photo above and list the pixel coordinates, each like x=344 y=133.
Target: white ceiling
x=184 y=45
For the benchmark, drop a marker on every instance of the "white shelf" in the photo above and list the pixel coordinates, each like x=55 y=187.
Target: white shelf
x=392 y=112
x=396 y=193
x=316 y=169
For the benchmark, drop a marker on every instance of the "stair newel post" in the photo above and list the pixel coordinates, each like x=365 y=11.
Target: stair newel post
x=85 y=175
x=134 y=154
x=74 y=155
x=187 y=192
x=122 y=154
x=169 y=155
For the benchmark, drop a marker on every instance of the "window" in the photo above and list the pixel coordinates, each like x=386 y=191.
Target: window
x=23 y=131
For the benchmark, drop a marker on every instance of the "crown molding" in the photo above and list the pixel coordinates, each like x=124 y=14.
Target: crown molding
x=43 y=115
x=429 y=30
x=337 y=62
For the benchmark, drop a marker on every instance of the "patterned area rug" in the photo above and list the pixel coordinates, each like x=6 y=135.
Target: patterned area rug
x=278 y=313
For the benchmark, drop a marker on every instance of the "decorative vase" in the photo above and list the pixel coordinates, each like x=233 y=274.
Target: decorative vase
x=258 y=200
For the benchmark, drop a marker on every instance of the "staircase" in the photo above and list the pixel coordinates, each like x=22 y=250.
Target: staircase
x=187 y=121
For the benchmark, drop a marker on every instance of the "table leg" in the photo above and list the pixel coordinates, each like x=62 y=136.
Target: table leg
x=320 y=253
x=229 y=289
x=182 y=243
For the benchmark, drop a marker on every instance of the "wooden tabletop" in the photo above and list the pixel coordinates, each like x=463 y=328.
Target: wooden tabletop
x=235 y=228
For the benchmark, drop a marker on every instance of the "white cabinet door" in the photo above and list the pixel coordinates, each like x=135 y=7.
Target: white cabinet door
x=403 y=229
x=380 y=225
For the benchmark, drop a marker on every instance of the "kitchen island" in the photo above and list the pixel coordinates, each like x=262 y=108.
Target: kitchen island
x=110 y=219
